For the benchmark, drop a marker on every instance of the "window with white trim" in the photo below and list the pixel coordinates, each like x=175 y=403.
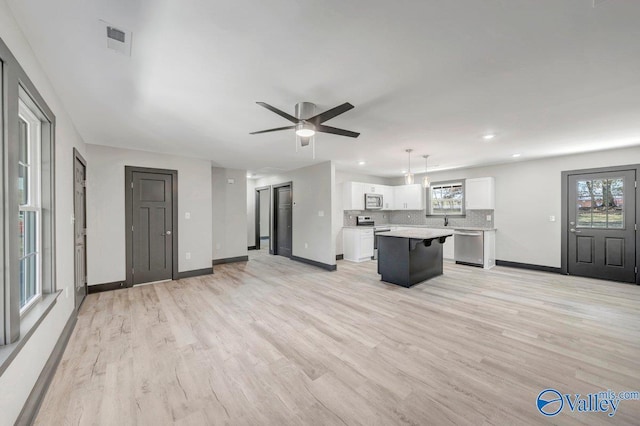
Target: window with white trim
x=446 y=198
x=29 y=215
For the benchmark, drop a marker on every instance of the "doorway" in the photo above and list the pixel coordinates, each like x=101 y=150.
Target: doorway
x=263 y=218
x=151 y=224
x=80 y=227
x=282 y=223
x=600 y=208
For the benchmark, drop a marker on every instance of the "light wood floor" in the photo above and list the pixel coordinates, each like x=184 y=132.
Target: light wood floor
x=276 y=342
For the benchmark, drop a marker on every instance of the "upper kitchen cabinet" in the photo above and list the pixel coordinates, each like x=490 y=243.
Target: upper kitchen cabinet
x=353 y=196
x=387 y=197
x=480 y=194
x=408 y=197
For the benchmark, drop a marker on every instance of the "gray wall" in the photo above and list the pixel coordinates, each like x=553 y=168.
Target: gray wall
x=527 y=193
x=228 y=221
x=106 y=215
x=313 y=194
x=18 y=379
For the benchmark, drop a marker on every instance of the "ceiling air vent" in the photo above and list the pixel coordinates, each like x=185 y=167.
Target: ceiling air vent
x=118 y=39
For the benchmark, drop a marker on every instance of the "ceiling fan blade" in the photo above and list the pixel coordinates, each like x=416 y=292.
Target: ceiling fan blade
x=283 y=114
x=329 y=114
x=273 y=130
x=335 y=131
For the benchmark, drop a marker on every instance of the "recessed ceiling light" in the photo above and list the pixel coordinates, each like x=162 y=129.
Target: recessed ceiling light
x=516 y=155
x=361 y=163
x=488 y=136
x=404 y=171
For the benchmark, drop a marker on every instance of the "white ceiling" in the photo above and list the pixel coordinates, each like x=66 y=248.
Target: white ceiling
x=549 y=77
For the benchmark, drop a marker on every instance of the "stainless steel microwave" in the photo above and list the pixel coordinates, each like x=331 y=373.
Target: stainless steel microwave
x=373 y=201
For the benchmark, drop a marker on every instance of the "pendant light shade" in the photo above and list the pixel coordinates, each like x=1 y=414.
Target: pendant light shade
x=408 y=177
x=426 y=182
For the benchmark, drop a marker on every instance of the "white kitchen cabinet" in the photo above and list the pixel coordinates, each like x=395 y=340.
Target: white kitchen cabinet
x=372 y=188
x=357 y=244
x=408 y=197
x=387 y=197
x=353 y=196
x=448 y=248
x=480 y=194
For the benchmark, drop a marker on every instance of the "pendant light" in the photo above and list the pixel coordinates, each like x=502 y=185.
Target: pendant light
x=408 y=177
x=426 y=182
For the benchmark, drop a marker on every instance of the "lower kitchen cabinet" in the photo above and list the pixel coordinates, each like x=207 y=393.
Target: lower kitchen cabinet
x=357 y=244
x=448 y=248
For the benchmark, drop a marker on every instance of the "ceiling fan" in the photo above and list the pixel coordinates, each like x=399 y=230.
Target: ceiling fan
x=307 y=124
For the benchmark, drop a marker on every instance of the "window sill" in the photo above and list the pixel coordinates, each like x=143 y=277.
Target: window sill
x=28 y=325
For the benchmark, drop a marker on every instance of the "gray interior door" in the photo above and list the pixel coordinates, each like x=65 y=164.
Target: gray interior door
x=152 y=219
x=601 y=228
x=80 y=228
x=283 y=226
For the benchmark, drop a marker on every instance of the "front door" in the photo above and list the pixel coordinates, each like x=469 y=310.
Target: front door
x=283 y=229
x=152 y=226
x=601 y=228
x=80 y=227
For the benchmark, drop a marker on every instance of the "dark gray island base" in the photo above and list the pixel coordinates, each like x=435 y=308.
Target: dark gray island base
x=410 y=257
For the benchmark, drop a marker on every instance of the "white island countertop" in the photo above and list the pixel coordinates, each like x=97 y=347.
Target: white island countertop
x=418 y=233
x=392 y=225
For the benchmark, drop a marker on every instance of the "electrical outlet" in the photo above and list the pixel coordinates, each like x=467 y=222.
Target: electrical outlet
x=552 y=218
x=321 y=213
x=187 y=255
x=306 y=245
x=488 y=218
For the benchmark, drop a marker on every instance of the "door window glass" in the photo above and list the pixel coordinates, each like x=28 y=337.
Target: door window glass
x=600 y=203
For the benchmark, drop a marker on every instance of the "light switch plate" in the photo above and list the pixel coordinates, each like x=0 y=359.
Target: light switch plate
x=187 y=215
x=187 y=255
x=552 y=218
x=488 y=218
x=321 y=213
x=231 y=181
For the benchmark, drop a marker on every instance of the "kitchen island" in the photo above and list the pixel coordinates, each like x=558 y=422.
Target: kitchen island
x=411 y=256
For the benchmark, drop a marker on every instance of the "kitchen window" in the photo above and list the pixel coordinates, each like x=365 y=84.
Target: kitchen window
x=446 y=198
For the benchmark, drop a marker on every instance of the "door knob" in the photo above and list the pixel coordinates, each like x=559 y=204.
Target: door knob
x=166 y=233
x=574 y=231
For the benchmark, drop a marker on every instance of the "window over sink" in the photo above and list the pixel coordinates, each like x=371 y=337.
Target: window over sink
x=446 y=198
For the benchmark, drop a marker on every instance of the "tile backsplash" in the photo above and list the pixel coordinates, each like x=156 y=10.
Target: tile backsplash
x=473 y=218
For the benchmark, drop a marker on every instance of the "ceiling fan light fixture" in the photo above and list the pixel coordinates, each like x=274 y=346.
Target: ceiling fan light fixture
x=305 y=130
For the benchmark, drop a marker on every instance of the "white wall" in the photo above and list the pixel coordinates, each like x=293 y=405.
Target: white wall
x=229 y=203
x=313 y=194
x=20 y=376
x=106 y=213
x=251 y=208
x=338 y=217
x=265 y=206
x=527 y=193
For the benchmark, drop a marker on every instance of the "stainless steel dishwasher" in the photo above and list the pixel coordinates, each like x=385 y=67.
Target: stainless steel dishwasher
x=468 y=247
